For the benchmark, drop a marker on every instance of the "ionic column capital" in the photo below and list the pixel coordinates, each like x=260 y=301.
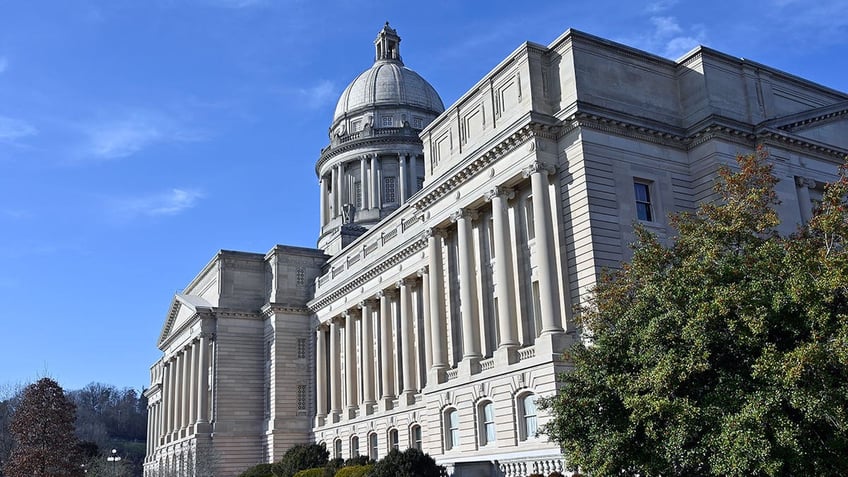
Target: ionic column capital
x=805 y=182
x=499 y=191
x=423 y=271
x=538 y=166
x=427 y=233
x=468 y=214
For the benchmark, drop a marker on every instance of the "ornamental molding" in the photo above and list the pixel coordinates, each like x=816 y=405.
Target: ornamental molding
x=271 y=309
x=417 y=244
x=331 y=152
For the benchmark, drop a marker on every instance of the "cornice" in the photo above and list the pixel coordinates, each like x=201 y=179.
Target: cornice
x=331 y=152
x=284 y=308
x=416 y=244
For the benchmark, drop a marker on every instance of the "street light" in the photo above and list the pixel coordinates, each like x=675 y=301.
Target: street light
x=114 y=459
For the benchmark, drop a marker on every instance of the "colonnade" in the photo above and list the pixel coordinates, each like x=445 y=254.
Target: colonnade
x=336 y=187
x=429 y=283
x=183 y=408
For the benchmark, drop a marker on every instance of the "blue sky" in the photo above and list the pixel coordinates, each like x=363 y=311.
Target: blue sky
x=139 y=137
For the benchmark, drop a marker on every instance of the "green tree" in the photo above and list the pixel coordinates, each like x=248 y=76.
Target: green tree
x=724 y=352
x=409 y=463
x=43 y=431
x=301 y=457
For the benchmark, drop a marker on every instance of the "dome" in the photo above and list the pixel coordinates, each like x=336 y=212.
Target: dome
x=388 y=83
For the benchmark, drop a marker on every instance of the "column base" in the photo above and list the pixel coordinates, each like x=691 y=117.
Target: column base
x=320 y=420
x=469 y=365
x=407 y=398
x=334 y=416
x=351 y=412
x=203 y=428
x=387 y=403
x=506 y=355
x=552 y=345
x=437 y=376
x=367 y=408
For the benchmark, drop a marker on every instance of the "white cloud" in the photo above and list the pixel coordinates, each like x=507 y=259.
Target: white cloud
x=810 y=24
x=167 y=203
x=321 y=94
x=12 y=129
x=668 y=38
x=119 y=138
x=4 y=64
x=660 y=6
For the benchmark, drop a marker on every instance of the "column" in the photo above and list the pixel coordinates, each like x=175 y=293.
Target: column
x=467 y=296
x=538 y=173
x=186 y=389
x=321 y=374
x=363 y=183
x=438 y=330
x=149 y=450
x=322 y=183
x=386 y=365
x=351 y=388
x=166 y=396
x=193 y=379
x=334 y=197
x=424 y=298
x=379 y=184
x=507 y=323
x=177 y=395
x=335 y=372
x=368 y=399
x=402 y=177
x=344 y=197
x=406 y=355
x=805 y=204
x=372 y=196
x=203 y=384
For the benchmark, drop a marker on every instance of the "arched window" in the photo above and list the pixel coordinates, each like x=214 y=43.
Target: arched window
x=337 y=449
x=354 y=446
x=527 y=413
x=394 y=440
x=451 y=426
x=415 y=437
x=372 y=446
x=486 y=417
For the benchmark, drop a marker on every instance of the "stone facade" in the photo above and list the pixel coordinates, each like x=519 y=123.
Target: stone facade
x=438 y=323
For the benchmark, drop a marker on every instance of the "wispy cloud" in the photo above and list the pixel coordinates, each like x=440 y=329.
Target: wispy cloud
x=130 y=134
x=660 y=6
x=667 y=37
x=815 y=24
x=166 y=203
x=322 y=93
x=12 y=129
x=4 y=64
x=15 y=214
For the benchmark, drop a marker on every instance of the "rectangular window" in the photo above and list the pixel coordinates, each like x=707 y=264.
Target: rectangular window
x=417 y=123
x=355 y=126
x=301 y=276
x=389 y=188
x=388 y=121
x=529 y=219
x=301 y=348
x=301 y=397
x=489 y=423
x=357 y=195
x=643 y=201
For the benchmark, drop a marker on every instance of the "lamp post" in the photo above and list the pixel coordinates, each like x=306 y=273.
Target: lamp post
x=114 y=459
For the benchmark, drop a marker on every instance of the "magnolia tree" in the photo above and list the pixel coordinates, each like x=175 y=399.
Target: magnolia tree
x=722 y=352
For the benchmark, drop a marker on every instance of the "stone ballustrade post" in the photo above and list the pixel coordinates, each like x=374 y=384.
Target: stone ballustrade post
x=471 y=354
x=351 y=388
x=367 y=346
x=538 y=173
x=507 y=322
x=437 y=322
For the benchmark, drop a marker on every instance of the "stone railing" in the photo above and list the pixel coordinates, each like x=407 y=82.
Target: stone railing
x=452 y=374
x=487 y=364
x=526 y=353
x=522 y=468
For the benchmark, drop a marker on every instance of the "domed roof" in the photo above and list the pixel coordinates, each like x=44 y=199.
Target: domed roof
x=388 y=82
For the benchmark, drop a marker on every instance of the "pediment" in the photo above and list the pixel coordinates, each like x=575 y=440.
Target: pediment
x=183 y=308
x=825 y=125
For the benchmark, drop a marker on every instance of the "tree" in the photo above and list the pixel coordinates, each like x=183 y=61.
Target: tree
x=722 y=353
x=301 y=457
x=43 y=430
x=409 y=463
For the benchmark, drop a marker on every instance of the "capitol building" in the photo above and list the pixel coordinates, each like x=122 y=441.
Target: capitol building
x=454 y=246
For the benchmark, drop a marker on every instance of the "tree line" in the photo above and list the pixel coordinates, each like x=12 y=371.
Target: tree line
x=45 y=430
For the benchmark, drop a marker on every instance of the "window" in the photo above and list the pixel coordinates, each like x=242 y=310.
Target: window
x=357 y=194
x=643 y=201
x=354 y=446
x=529 y=219
x=527 y=408
x=355 y=126
x=337 y=449
x=301 y=397
x=394 y=441
x=372 y=446
x=301 y=276
x=389 y=188
x=417 y=123
x=420 y=182
x=388 y=121
x=415 y=437
x=487 y=423
x=301 y=348
x=452 y=428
